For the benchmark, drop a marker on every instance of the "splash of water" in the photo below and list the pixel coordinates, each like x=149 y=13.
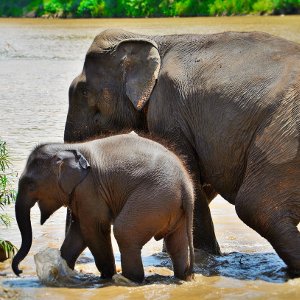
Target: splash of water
x=52 y=270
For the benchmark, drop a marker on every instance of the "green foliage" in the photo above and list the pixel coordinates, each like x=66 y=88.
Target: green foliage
x=18 y=8
x=145 y=8
x=8 y=9
x=8 y=248
x=60 y=7
x=287 y=6
x=264 y=6
x=185 y=8
x=91 y=8
x=7 y=194
x=236 y=7
x=230 y=7
x=160 y=8
x=53 y=6
x=139 y=8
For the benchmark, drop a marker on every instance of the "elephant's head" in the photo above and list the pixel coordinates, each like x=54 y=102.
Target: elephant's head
x=118 y=76
x=49 y=178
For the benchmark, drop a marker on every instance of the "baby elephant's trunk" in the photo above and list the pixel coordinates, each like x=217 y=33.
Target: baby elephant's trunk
x=22 y=209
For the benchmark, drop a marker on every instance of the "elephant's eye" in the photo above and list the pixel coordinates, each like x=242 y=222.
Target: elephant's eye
x=31 y=186
x=84 y=92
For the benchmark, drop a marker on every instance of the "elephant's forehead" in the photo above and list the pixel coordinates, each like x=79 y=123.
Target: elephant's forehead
x=41 y=155
x=108 y=39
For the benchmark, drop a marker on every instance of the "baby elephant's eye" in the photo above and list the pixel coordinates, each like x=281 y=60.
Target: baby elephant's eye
x=29 y=184
x=97 y=118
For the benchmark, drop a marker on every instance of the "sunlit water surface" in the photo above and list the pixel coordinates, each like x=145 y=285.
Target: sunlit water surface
x=38 y=60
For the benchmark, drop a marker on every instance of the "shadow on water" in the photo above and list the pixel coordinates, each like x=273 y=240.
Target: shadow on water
x=245 y=266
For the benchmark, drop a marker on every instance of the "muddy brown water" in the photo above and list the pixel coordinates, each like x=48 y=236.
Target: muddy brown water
x=38 y=60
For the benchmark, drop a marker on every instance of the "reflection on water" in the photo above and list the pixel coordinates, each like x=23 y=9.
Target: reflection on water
x=38 y=60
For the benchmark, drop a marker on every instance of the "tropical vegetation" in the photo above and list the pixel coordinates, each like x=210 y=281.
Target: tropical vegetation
x=7 y=196
x=144 y=8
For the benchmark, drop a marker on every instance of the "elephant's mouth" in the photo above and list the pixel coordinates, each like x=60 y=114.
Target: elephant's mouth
x=46 y=212
x=44 y=217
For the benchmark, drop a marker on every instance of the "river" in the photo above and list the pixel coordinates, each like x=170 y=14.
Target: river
x=38 y=60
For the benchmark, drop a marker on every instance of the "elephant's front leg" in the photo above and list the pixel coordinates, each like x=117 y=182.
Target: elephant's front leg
x=73 y=244
x=203 y=229
x=98 y=239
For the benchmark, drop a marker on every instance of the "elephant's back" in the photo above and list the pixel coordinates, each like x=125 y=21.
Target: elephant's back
x=133 y=163
x=136 y=154
x=230 y=83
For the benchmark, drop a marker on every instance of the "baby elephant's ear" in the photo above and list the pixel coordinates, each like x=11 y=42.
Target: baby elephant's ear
x=72 y=169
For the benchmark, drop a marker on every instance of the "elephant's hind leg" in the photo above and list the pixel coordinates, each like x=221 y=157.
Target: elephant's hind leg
x=131 y=256
x=177 y=247
x=270 y=204
x=280 y=231
x=132 y=232
x=132 y=265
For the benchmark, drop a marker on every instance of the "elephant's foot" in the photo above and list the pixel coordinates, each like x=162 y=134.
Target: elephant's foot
x=204 y=236
x=274 y=214
x=207 y=246
x=282 y=234
x=178 y=248
x=132 y=266
x=203 y=229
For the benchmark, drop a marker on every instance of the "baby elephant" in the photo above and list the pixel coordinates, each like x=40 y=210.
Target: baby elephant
x=134 y=183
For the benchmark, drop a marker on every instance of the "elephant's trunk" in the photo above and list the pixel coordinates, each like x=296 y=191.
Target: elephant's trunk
x=22 y=209
x=68 y=136
x=77 y=130
x=72 y=134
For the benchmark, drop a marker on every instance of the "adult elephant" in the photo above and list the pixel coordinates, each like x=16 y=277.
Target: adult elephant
x=230 y=104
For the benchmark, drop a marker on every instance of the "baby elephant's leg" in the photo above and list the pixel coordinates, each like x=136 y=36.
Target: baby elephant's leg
x=130 y=249
x=136 y=224
x=132 y=265
x=177 y=247
x=73 y=244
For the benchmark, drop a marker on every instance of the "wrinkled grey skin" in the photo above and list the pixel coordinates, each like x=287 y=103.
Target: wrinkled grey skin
x=230 y=104
x=131 y=182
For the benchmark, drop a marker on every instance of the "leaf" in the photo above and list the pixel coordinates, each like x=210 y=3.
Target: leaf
x=8 y=248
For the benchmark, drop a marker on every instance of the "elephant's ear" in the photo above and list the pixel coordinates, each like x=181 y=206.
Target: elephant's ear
x=141 y=64
x=72 y=169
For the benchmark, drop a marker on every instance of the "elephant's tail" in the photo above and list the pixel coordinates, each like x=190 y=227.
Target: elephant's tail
x=188 y=206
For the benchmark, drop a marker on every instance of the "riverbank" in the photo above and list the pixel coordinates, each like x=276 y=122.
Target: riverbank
x=144 y=8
